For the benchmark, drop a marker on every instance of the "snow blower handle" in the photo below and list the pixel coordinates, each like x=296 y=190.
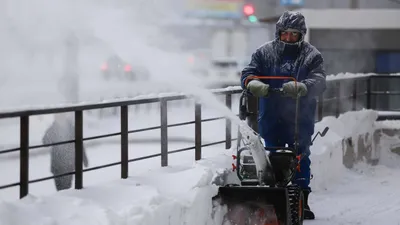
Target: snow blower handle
x=273 y=90
x=276 y=91
x=280 y=91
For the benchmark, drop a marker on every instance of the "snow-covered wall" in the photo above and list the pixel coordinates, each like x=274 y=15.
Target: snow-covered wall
x=349 y=139
x=353 y=138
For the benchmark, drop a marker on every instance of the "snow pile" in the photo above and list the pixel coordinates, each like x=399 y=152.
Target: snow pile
x=328 y=152
x=163 y=196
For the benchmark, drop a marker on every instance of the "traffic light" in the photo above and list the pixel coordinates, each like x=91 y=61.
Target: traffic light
x=252 y=18
x=248 y=11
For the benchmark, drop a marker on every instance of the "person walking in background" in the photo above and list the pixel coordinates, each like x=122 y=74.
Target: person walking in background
x=62 y=156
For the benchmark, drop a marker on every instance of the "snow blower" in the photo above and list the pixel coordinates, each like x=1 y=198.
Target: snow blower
x=265 y=195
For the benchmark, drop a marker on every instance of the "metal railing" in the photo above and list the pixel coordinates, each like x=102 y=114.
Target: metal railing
x=342 y=95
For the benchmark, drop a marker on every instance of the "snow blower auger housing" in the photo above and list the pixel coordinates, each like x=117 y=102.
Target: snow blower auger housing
x=265 y=195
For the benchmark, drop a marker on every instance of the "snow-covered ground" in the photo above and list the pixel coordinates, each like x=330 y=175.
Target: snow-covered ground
x=181 y=193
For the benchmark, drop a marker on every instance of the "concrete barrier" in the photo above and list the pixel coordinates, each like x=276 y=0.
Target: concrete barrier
x=360 y=149
x=369 y=146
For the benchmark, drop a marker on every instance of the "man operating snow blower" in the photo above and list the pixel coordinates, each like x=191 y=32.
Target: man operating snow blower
x=288 y=55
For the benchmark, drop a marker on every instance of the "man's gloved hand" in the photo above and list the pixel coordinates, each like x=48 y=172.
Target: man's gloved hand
x=289 y=89
x=258 y=88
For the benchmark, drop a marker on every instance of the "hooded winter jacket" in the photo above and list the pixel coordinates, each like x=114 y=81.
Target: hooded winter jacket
x=301 y=60
x=62 y=156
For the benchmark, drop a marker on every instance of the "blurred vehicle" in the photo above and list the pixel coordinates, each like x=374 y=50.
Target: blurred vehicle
x=116 y=68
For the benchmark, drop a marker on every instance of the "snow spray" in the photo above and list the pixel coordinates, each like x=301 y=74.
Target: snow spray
x=179 y=80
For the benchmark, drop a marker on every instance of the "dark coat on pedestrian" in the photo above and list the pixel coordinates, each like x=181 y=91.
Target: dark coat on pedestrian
x=62 y=156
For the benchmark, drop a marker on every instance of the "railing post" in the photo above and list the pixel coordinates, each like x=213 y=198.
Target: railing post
x=338 y=96
x=228 y=123
x=78 y=150
x=197 y=128
x=24 y=157
x=164 y=132
x=354 y=96
x=368 y=97
x=124 y=142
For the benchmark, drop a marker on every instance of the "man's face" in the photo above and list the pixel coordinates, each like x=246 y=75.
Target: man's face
x=290 y=36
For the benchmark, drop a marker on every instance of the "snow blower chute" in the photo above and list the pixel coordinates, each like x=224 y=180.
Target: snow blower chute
x=265 y=195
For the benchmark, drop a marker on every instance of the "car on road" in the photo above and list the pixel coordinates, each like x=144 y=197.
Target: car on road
x=117 y=68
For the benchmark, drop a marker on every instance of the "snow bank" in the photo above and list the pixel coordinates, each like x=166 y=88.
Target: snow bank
x=353 y=137
x=346 y=137
x=171 y=195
